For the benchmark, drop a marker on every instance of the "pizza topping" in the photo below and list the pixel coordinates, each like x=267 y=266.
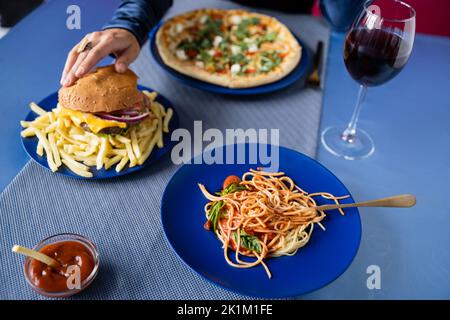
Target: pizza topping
x=242 y=31
x=235 y=49
x=269 y=37
x=239 y=58
x=200 y=64
x=203 y=18
x=235 y=19
x=237 y=44
x=217 y=41
x=253 y=48
x=269 y=60
x=210 y=27
x=235 y=68
x=179 y=28
x=181 y=54
x=191 y=53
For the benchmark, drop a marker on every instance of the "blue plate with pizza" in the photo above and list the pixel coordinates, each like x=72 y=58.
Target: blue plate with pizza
x=232 y=52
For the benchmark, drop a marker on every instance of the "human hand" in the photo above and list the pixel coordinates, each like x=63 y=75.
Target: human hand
x=82 y=58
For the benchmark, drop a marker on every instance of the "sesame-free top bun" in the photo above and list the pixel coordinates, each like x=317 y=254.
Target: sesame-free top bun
x=102 y=90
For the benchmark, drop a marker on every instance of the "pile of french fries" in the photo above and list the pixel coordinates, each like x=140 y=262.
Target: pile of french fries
x=65 y=143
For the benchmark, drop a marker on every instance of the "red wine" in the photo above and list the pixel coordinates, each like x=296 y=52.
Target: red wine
x=373 y=57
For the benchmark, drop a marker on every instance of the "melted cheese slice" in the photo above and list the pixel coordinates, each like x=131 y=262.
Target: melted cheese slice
x=96 y=124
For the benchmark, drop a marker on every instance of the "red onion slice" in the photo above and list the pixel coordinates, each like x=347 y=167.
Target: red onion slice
x=124 y=118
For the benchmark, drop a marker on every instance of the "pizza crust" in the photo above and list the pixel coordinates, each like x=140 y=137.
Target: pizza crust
x=189 y=68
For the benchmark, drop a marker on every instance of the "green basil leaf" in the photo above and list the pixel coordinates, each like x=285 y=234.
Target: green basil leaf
x=238 y=58
x=214 y=214
x=234 y=187
x=247 y=241
x=254 y=20
x=270 y=37
x=205 y=57
x=242 y=32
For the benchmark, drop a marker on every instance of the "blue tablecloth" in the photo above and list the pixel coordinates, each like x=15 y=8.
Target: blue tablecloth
x=122 y=215
x=408 y=118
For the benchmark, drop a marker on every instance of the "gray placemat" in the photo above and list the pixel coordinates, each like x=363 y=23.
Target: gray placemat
x=122 y=215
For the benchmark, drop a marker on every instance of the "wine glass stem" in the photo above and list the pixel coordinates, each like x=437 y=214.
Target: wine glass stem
x=349 y=133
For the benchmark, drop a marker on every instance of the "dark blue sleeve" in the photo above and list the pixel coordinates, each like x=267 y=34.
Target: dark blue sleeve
x=138 y=16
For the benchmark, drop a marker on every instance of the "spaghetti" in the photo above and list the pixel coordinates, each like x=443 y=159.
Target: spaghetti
x=262 y=215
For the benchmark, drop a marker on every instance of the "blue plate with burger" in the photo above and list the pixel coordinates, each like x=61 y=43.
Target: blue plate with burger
x=103 y=126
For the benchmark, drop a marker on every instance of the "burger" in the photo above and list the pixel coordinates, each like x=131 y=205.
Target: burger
x=105 y=101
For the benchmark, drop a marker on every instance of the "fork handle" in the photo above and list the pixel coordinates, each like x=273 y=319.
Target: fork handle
x=398 y=201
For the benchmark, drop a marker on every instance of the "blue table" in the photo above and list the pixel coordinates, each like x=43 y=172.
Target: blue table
x=408 y=119
x=32 y=56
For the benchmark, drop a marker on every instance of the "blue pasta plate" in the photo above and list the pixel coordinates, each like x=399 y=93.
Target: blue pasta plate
x=324 y=258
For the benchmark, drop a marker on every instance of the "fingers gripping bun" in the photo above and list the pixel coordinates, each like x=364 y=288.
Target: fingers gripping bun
x=102 y=90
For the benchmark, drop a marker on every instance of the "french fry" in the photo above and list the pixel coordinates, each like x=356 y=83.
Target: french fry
x=149 y=149
x=80 y=137
x=157 y=113
x=110 y=162
x=40 y=149
x=102 y=153
x=162 y=111
x=89 y=151
x=28 y=132
x=119 y=152
x=47 y=148
x=54 y=148
x=78 y=131
x=36 y=109
x=147 y=130
x=122 y=164
x=167 y=118
x=75 y=164
x=76 y=170
x=89 y=161
x=62 y=134
x=135 y=144
x=122 y=139
x=130 y=154
x=150 y=95
x=52 y=127
x=51 y=117
x=25 y=124
x=42 y=120
x=115 y=143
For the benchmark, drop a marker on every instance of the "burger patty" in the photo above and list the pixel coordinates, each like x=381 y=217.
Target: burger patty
x=109 y=130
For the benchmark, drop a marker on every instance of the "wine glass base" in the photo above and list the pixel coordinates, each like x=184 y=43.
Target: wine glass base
x=361 y=147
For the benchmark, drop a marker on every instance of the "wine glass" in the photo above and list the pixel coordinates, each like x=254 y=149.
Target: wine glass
x=376 y=48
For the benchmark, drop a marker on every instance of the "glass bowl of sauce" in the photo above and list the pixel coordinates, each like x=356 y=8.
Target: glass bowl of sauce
x=79 y=262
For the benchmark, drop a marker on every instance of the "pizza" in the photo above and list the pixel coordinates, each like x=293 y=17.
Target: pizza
x=231 y=48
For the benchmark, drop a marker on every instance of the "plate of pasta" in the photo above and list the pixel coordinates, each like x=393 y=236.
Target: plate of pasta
x=256 y=231
x=58 y=138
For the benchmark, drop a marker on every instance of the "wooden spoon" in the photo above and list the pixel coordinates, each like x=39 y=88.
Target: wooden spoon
x=399 y=201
